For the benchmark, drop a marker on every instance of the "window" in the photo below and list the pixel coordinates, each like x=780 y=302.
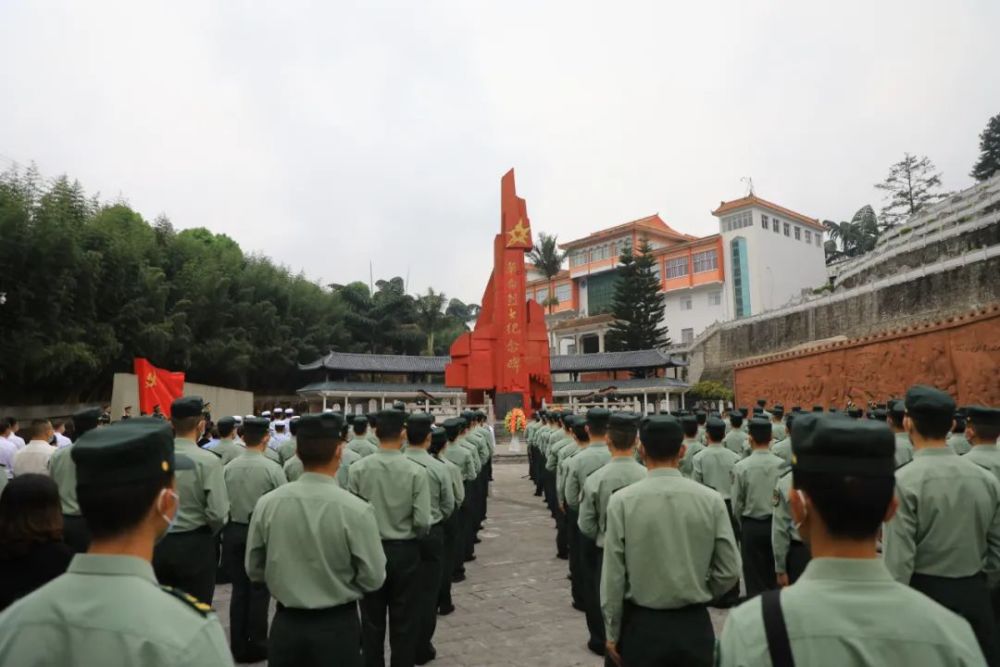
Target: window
x=798 y=233
x=763 y=221
x=601 y=292
x=656 y=271
x=775 y=225
x=741 y=277
x=620 y=246
x=687 y=336
x=737 y=221
x=788 y=229
x=564 y=293
x=541 y=295
x=808 y=236
x=677 y=267
x=705 y=261
x=818 y=238
x=686 y=303
x=578 y=257
x=714 y=298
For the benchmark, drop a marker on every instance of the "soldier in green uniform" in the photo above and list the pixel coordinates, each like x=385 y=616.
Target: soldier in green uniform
x=442 y=494
x=360 y=444
x=982 y=429
x=778 y=430
x=737 y=441
x=398 y=490
x=783 y=448
x=286 y=450
x=226 y=448
x=754 y=480
x=668 y=551
x=317 y=548
x=714 y=465
x=63 y=472
x=486 y=448
x=620 y=471
x=945 y=538
x=107 y=608
x=186 y=558
x=551 y=466
x=791 y=555
x=464 y=461
x=956 y=439
x=689 y=425
x=471 y=518
x=579 y=438
x=904 y=448
x=452 y=526
x=846 y=609
x=702 y=418
x=248 y=477
x=529 y=435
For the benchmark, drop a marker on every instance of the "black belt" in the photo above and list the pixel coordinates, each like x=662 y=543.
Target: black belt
x=412 y=540
x=239 y=523
x=691 y=607
x=347 y=606
x=755 y=519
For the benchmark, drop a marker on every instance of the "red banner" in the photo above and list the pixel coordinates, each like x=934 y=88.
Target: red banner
x=157 y=387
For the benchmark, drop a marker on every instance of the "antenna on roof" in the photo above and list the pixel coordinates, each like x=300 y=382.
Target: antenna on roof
x=749 y=181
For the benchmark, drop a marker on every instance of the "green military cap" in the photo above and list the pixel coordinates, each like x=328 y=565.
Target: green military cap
x=133 y=450
x=923 y=400
x=420 y=418
x=567 y=413
x=86 y=420
x=818 y=408
x=390 y=419
x=855 y=413
x=662 y=429
x=760 y=429
x=623 y=421
x=256 y=426
x=762 y=402
x=598 y=417
x=879 y=414
x=481 y=415
x=758 y=411
x=778 y=411
x=979 y=415
x=399 y=405
x=371 y=418
x=453 y=427
x=791 y=419
x=839 y=446
x=688 y=419
x=227 y=422
x=439 y=437
x=701 y=416
x=325 y=425
x=187 y=406
x=737 y=414
x=796 y=408
x=897 y=409
x=716 y=428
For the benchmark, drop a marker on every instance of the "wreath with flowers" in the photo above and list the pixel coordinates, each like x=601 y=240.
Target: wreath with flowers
x=515 y=421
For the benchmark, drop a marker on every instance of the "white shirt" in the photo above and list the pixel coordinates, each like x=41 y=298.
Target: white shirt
x=62 y=441
x=7 y=451
x=17 y=440
x=34 y=458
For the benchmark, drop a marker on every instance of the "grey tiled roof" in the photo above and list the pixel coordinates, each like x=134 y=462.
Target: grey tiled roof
x=607 y=361
x=377 y=388
x=623 y=386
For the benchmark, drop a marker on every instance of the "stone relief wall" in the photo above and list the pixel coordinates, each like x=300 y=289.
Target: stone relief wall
x=960 y=355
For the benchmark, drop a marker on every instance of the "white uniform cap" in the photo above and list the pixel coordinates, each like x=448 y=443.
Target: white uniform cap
x=249 y=417
x=328 y=410
x=289 y=411
x=237 y=419
x=266 y=413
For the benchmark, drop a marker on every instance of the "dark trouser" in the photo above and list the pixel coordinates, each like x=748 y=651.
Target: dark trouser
x=471 y=517
x=796 y=560
x=551 y=497
x=532 y=453
x=561 y=533
x=484 y=485
x=320 y=637
x=969 y=597
x=573 y=542
x=76 y=535
x=758 y=556
x=187 y=561
x=222 y=575
x=248 y=607
x=400 y=598
x=461 y=534
x=539 y=470
x=429 y=579
x=732 y=520
x=487 y=477
x=657 y=637
x=590 y=570
x=452 y=530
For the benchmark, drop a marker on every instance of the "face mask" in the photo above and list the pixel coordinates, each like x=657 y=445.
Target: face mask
x=170 y=520
x=805 y=511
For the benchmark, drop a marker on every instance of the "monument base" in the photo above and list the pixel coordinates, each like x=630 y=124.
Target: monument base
x=506 y=402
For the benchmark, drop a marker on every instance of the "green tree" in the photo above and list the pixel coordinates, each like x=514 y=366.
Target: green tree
x=430 y=316
x=989 y=151
x=709 y=390
x=854 y=238
x=912 y=185
x=548 y=259
x=638 y=306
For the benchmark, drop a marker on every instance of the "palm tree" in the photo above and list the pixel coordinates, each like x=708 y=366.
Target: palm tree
x=854 y=238
x=430 y=315
x=548 y=259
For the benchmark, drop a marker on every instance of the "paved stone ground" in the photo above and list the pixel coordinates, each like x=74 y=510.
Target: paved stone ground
x=514 y=608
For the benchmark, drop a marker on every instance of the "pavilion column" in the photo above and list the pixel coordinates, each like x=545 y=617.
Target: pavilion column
x=576 y=343
x=324 y=402
x=600 y=341
x=645 y=405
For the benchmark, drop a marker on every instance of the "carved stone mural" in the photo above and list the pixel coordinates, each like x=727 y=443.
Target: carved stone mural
x=960 y=355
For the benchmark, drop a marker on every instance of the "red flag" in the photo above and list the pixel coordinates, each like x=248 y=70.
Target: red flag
x=157 y=387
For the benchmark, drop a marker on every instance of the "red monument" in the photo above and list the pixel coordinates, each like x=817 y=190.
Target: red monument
x=506 y=356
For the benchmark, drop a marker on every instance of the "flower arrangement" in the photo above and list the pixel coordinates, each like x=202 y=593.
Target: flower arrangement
x=515 y=421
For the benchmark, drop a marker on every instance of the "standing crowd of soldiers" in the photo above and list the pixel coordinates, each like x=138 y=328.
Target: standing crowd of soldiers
x=357 y=527
x=860 y=537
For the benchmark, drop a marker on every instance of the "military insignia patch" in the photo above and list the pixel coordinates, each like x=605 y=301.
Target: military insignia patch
x=775 y=498
x=189 y=600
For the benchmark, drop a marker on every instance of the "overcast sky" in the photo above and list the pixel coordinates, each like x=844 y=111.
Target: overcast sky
x=331 y=134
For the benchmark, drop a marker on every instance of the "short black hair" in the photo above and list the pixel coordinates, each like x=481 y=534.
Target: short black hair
x=852 y=507
x=736 y=420
x=580 y=430
x=185 y=424
x=254 y=437
x=622 y=438
x=418 y=432
x=959 y=424
x=934 y=426
x=598 y=430
x=226 y=427
x=690 y=427
x=316 y=451
x=716 y=431
x=360 y=427
x=37 y=428
x=661 y=446
x=990 y=432
x=111 y=511
x=293 y=427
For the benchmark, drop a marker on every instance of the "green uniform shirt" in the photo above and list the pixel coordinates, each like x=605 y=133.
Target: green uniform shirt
x=778 y=431
x=948 y=521
x=984 y=456
x=713 y=467
x=477 y=463
x=669 y=544
x=481 y=439
x=202 y=491
x=618 y=473
x=293 y=469
x=109 y=610
x=249 y=477
x=227 y=450
x=397 y=489
x=315 y=544
x=582 y=466
x=439 y=484
x=959 y=444
x=737 y=442
x=63 y=473
x=687 y=463
x=462 y=459
x=783 y=450
x=565 y=454
x=552 y=459
x=847 y=611
x=783 y=530
x=754 y=479
x=904 y=449
x=543 y=439
x=361 y=446
x=457 y=488
x=372 y=438
x=529 y=432
x=287 y=450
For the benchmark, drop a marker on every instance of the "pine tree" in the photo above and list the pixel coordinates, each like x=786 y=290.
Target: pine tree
x=989 y=151
x=912 y=185
x=638 y=305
